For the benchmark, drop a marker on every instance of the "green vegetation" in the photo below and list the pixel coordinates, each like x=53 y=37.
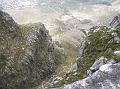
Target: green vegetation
x=4 y=24
x=3 y=60
x=57 y=56
x=62 y=57
x=99 y=43
x=66 y=57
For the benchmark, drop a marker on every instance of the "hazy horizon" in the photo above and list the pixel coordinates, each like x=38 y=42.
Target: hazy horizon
x=89 y=12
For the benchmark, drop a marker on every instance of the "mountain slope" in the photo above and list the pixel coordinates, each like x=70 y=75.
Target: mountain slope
x=100 y=62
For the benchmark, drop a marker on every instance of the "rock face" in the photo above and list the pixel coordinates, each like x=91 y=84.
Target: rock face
x=107 y=77
x=7 y=25
x=25 y=54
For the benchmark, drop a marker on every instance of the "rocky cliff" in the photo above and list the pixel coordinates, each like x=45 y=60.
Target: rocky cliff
x=25 y=54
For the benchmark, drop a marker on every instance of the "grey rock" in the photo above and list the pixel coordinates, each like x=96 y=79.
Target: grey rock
x=98 y=63
x=117 y=52
x=74 y=67
x=7 y=25
x=107 y=77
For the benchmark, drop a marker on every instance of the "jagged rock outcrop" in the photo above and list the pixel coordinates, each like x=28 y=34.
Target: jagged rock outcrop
x=25 y=54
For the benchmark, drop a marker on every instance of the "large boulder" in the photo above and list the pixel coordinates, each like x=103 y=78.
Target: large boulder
x=25 y=54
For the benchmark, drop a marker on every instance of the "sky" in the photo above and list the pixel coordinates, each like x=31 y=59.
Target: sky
x=89 y=12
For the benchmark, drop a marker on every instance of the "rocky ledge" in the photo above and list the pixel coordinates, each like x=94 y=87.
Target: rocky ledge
x=106 y=77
